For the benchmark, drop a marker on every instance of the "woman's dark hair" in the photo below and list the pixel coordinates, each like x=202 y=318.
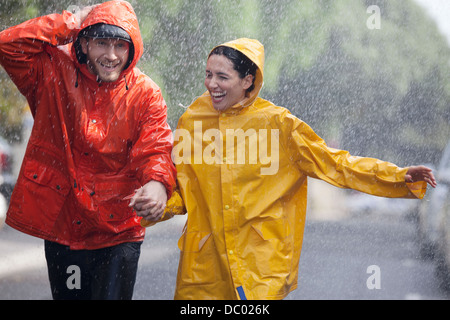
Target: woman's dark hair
x=243 y=65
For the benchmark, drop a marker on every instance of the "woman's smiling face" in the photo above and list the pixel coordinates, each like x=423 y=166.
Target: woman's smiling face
x=223 y=82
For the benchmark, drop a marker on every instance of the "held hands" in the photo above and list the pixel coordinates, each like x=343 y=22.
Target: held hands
x=149 y=201
x=420 y=173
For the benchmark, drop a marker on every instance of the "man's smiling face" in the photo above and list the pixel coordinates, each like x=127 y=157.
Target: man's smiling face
x=106 y=58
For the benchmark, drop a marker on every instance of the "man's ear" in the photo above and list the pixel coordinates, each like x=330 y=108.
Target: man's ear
x=84 y=45
x=247 y=81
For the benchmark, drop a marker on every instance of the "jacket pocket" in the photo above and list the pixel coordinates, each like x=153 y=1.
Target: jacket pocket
x=198 y=260
x=48 y=177
x=271 y=245
x=272 y=229
x=193 y=241
x=44 y=191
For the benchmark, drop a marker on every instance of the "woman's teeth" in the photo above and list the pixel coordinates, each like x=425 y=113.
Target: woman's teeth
x=217 y=95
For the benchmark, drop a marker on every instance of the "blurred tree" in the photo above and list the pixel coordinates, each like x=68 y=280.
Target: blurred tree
x=378 y=92
x=12 y=103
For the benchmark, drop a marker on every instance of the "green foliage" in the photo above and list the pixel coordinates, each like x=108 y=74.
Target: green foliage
x=12 y=104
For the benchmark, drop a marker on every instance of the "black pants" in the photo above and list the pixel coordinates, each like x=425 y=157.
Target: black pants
x=102 y=274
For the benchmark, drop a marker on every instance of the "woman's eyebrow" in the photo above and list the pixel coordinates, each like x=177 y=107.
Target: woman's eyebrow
x=218 y=73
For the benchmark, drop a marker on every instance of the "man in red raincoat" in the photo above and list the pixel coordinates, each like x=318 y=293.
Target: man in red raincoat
x=98 y=159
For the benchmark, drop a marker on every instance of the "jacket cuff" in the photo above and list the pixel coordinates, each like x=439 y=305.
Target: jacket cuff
x=418 y=189
x=174 y=206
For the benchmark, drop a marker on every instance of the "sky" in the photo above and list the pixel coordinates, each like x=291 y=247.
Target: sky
x=439 y=10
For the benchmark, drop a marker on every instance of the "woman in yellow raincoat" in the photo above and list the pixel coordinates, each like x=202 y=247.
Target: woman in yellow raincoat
x=242 y=167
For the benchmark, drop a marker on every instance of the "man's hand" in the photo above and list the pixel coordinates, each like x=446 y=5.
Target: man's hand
x=82 y=13
x=420 y=173
x=150 y=201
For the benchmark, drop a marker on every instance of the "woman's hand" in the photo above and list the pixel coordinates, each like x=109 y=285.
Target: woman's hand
x=420 y=173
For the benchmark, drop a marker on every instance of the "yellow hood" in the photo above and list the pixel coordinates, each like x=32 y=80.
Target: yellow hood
x=253 y=50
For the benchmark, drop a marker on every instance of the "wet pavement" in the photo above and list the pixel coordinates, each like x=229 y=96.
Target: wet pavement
x=335 y=262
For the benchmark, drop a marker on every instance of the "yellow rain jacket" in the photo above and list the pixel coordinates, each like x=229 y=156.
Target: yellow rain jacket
x=242 y=176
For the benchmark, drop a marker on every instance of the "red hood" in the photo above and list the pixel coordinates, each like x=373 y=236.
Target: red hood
x=118 y=13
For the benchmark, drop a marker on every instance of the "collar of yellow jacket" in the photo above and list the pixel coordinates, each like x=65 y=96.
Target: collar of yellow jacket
x=253 y=50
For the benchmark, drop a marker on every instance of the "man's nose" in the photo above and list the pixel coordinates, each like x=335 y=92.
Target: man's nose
x=111 y=53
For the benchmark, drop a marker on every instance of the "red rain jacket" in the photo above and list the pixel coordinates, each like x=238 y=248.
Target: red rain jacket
x=92 y=143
